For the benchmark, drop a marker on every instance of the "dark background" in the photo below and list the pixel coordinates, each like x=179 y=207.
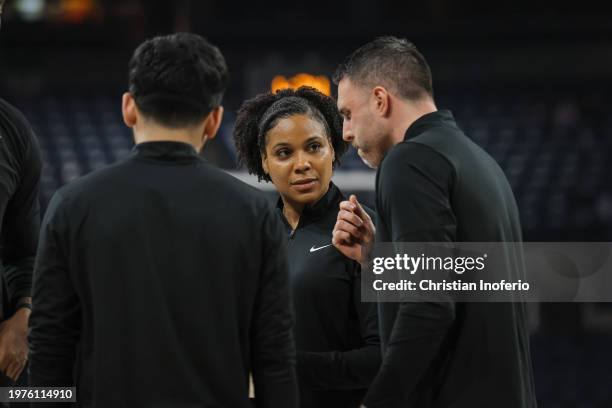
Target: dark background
x=529 y=81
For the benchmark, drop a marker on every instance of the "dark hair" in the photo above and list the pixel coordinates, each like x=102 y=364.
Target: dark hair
x=390 y=61
x=177 y=79
x=261 y=113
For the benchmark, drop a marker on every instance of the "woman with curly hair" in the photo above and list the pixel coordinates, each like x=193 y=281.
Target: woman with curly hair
x=293 y=138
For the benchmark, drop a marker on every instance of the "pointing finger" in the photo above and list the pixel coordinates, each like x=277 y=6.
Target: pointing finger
x=358 y=208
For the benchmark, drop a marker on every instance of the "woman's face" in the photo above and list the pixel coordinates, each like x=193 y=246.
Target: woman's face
x=299 y=159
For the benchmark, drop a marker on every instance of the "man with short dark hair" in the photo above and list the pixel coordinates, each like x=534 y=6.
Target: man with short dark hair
x=164 y=275
x=433 y=185
x=20 y=168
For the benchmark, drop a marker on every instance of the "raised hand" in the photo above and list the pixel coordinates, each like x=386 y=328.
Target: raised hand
x=354 y=231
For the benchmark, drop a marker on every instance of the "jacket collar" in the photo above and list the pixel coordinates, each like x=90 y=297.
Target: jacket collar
x=428 y=121
x=166 y=151
x=311 y=212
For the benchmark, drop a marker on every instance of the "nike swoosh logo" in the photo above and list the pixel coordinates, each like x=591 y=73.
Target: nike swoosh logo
x=313 y=249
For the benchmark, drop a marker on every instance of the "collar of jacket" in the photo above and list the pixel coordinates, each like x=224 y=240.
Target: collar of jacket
x=166 y=151
x=430 y=120
x=330 y=200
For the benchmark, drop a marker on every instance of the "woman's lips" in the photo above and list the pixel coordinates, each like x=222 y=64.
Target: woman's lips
x=304 y=184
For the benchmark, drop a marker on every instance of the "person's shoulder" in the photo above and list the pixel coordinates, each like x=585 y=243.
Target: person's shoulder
x=14 y=115
x=96 y=186
x=97 y=183
x=16 y=128
x=411 y=166
x=410 y=153
x=9 y=110
x=449 y=142
x=227 y=183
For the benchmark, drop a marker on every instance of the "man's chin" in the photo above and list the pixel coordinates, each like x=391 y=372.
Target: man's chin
x=367 y=160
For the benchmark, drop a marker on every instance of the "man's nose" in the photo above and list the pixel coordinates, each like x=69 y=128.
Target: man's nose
x=347 y=133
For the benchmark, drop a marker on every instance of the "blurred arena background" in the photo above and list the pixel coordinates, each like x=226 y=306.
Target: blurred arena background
x=530 y=82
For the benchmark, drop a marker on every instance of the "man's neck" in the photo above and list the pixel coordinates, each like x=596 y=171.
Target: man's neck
x=162 y=134
x=409 y=113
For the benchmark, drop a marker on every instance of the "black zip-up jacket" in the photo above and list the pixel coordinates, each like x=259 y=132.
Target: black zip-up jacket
x=162 y=282
x=337 y=342
x=439 y=186
x=20 y=168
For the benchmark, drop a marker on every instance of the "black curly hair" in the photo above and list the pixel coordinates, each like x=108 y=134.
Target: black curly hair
x=258 y=115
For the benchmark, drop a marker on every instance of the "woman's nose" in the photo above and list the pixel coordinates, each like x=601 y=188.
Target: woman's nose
x=302 y=162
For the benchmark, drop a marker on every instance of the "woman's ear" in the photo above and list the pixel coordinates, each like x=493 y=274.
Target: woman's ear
x=264 y=163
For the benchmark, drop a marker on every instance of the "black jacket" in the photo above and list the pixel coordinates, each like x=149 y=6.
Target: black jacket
x=337 y=342
x=20 y=167
x=438 y=186
x=163 y=282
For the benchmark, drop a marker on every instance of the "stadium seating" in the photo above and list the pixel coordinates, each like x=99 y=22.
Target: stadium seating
x=554 y=155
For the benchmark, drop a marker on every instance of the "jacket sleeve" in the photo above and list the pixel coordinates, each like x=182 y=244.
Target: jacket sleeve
x=272 y=345
x=351 y=369
x=22 y=223
x=413 y=197
x=56 y=311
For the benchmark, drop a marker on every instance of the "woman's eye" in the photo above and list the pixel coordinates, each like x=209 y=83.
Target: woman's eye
x=314 y=147
x=282 y=153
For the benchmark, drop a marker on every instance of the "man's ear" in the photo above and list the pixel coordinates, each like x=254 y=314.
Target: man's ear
x=128 y=109
x=213 y=122
x=382 y=101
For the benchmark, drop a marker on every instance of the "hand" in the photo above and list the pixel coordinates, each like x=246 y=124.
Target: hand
x=14 y=344
x=354 y=231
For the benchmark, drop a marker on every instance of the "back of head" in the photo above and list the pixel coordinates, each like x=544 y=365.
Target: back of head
x=176 y=80
x=394 y=63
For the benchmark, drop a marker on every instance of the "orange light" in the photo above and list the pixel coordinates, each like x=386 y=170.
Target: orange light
x=320 y=82
x=76 y=11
